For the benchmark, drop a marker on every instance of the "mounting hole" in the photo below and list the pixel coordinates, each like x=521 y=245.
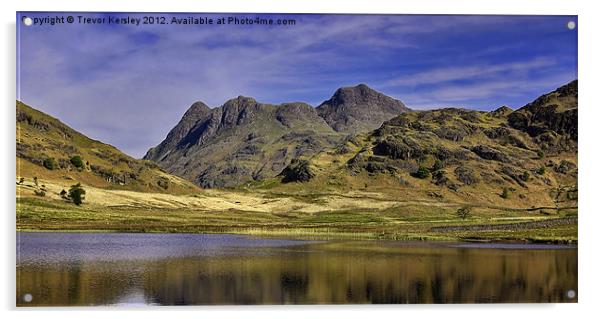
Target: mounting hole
x=571 y=294
x=571 y=25
x=27 y=297
x=27 y=21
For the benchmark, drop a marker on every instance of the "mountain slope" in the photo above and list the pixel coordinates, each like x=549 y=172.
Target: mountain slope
x=244 y=140
x=460 y=155
x=359 y=109
x=46 y=149
x=550 y=119
x=241 y=141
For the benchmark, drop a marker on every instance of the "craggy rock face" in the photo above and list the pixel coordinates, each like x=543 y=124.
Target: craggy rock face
x=244 y=140
x=556 y=111
x=359 y=108
x=463 y=148
x=297 y=171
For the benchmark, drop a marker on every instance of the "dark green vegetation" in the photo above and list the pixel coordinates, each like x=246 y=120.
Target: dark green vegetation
x=77 y=161
x=292 y=170
x=77 y=194
x=50 y=163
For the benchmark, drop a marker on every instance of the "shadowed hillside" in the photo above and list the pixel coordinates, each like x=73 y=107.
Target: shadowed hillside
x=244 y=140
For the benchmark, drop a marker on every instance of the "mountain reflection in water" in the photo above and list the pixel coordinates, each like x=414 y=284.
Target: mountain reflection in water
x=176 y=269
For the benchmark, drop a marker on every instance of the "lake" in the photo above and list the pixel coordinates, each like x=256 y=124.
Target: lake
x=78 y=269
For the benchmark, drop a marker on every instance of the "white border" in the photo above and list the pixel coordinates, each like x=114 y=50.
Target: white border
x=590 y=118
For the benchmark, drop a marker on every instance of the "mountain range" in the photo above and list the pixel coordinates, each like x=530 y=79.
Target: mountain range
x=361 y=134
x=244 y=140
x=359 y=139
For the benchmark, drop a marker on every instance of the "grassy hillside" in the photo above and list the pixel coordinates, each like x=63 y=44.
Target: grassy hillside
x=360 y=215
x=50 y=150
x=456 y=156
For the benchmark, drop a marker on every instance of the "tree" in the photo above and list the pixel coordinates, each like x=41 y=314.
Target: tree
x=505 y=193
x=63 y=194
x=49 y=163
x=21 y=180
x=77 y=194
x=77 y=161
x=464 y=212
x=35 y=180
x=422 y=172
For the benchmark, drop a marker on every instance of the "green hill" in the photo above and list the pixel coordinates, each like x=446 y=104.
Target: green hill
x=50 y=150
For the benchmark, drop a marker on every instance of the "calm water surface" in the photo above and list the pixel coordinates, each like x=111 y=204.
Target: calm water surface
x=60 y=269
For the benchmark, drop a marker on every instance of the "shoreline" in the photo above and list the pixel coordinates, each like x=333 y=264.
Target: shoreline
x=326 y=236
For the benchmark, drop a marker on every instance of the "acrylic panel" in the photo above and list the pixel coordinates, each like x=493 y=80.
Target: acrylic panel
x=242 y=159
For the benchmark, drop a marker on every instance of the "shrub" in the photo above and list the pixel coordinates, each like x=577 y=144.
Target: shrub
x=63 y=194
x=525 y=176
x=163 y=182
x=541 y=170
x=77 y=194
x=505 y=193
x=49 y=163
x=40 y=193
x=35 y=180
x=540 y=154
x=21 y=180
x=437 y=166
x=464 y=212
x=77 y=161
x=422 y=173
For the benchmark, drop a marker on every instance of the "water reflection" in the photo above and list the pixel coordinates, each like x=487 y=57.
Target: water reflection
x=282 y=272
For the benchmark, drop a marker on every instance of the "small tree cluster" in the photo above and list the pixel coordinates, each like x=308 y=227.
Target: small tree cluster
x=77 y=194
x=464 y=212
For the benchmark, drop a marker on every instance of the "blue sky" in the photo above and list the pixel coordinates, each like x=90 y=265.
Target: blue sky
x=129 y=85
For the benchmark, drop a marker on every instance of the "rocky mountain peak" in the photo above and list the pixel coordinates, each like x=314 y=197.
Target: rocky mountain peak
x=238 y=110
x=359 y=108
x=197 y=109
x=358 y=94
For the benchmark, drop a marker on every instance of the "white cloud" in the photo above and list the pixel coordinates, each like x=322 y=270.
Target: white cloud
x=447 y=74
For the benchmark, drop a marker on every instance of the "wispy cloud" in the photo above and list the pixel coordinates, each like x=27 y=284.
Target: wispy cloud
x=447 y=74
